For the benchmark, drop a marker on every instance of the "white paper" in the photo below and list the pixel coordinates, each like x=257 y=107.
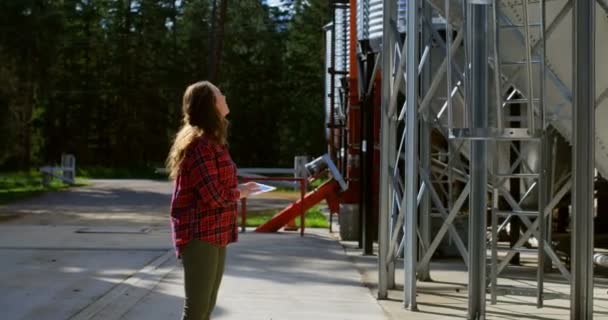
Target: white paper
x=263 y=189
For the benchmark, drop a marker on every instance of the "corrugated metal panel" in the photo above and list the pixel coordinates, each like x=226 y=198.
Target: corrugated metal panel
x=342 y=34
x=362 y=19
x=327 y=100
x=375 y=19
x=402 y=14
x=369 y=18
x=341 y=62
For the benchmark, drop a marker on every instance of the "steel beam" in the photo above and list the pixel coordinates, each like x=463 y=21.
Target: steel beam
x=387 y=154
x=411 y=162
x=425 y=148
x=477 y=49
x=583 y=141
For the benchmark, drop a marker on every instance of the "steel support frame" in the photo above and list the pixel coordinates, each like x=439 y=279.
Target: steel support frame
x=412 y=72
x=533 y=230
x=406 y=202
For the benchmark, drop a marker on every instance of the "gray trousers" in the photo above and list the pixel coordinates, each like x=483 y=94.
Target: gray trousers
x=203 y=271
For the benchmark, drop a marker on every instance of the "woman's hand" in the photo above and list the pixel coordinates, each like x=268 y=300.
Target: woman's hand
x=246 y=189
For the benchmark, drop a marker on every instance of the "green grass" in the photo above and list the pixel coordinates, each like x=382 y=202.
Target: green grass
x=16 y=186
x=314 y=184
x=284 y=189
x=318 y=182
x=314 y=218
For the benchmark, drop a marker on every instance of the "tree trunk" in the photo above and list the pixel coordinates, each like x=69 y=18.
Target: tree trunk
x=217 y=43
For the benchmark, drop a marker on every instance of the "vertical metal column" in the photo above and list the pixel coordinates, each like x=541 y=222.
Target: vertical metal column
x=411 y=158
x=494 y=222
x=367 y=159
x=545 y=177
x=385 y=279
x=477 y=30
x=583 y=118
x=551 y=192
x=544 y=197
x=425 y=147
x=332 y=86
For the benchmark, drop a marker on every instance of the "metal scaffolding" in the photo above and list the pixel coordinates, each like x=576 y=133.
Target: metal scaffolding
x=478 y=79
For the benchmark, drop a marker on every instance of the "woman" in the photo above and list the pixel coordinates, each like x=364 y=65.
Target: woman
x=204 y=202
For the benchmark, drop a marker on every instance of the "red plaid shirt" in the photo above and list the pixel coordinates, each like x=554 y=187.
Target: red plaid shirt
x=204 y=202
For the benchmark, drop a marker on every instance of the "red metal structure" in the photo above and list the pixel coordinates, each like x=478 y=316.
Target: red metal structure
x=358 y=154
x=329 y=191
x=352 y=195
x=289 y=223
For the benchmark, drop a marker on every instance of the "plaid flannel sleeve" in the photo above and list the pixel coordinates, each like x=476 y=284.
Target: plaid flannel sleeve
x=207 y=180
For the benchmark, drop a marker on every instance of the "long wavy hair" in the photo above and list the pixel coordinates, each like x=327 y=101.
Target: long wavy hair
x=200 y=117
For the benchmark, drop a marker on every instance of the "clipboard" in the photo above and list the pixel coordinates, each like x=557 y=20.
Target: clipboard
x=263 y=189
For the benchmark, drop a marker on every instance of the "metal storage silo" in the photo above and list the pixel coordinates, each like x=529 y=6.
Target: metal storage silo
x=369 y=20
x=336 y=60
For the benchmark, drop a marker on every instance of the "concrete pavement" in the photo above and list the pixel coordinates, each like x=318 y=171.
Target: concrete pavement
x=445 y=298
x=125 y=202
x=276 y=276
x=104 y=252
x=57 y=273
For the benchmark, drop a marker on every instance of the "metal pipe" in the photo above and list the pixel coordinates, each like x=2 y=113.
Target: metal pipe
x=386 y=190
x=302 y=211
x=543 y=65
x=243 y=214
x=545 y=174
x=332 y=86
x=495 y=208
x=497 y=75
x=425 y=150
x=477 y=27
x=448 y=61
x=583 y=143
x=425 y=209
x=531 y=125
x=411 y=163
x=367 y=159
x=551 y=191
x=544 y=195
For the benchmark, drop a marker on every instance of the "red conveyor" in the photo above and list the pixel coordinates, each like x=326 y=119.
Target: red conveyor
x=328 y=191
